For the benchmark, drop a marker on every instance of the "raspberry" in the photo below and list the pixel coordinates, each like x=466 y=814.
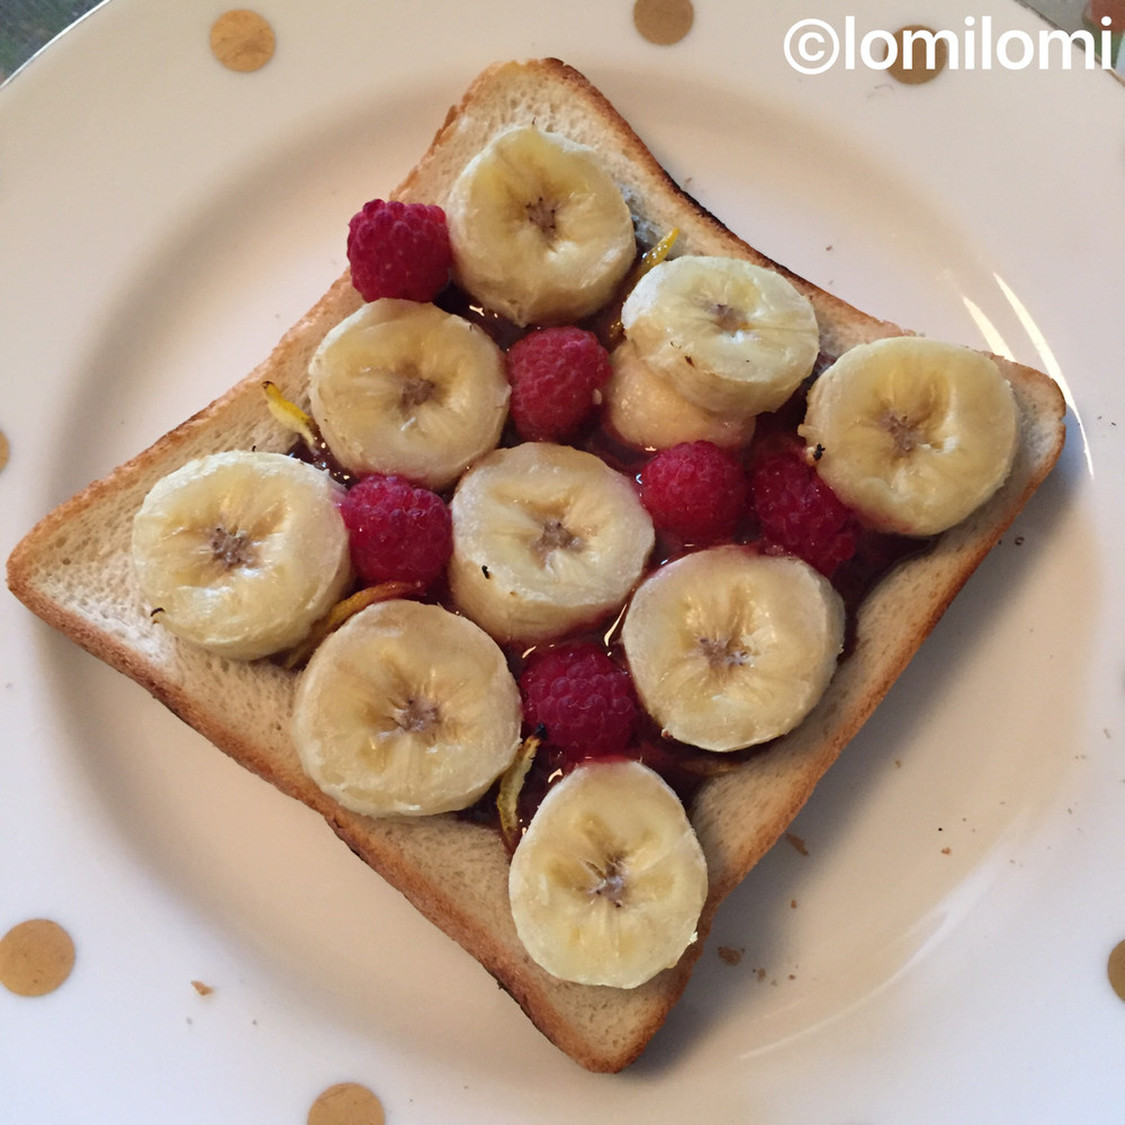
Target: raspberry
x=695 y=490
x=585 y=701
x=397 y=530
x=555 y=375
x=799 y=513
x=399 y=250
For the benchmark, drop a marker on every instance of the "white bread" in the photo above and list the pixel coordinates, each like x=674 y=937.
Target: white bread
x=73 y=570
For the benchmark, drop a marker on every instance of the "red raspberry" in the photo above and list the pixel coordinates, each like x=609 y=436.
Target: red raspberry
x=799 y=513
x=585 y=702
x=555 y=375
x=397 y=530
x=695 y=490
x=399 y=250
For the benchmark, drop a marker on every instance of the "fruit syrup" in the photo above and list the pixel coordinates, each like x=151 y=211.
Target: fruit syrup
x=684 y=767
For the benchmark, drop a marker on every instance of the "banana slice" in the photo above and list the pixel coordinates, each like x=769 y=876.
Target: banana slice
x=913 y=434
x=540 y=232
x=403 y=387
x=241 y=552
x=407 y=710
x=607 y=884
x=546 y=538
x=644 y=409
x=731 y=336
x=729 y=648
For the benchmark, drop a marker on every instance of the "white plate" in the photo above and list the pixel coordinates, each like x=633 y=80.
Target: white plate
x=940 y=954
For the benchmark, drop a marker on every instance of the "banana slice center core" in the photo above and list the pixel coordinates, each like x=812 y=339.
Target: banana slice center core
x=419 y=716
x=232 y=549
x=609 y=880
x=730 y=320
x=725 y=654
x=417 y=390
x=555 y=536
x=542 y=214
x=906 y=435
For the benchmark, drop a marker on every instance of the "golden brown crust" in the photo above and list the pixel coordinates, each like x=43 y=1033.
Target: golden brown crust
x=72 y=570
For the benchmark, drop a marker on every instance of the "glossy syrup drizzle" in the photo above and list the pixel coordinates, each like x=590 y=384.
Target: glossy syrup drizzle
x=684 y=767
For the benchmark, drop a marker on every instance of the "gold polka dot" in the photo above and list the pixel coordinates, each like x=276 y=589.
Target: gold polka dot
x=1116 y=969
x=242 y=40
x=347 y=1103
x=918 y=53
x=5 y=449
x=663 y=21
x=35 y=957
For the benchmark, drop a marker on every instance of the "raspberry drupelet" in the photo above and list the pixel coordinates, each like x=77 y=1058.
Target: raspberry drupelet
x=556 y=374
x=397 y=530
x=696 y=491
x=399 y=250
x=582 y=700
x=797 y=511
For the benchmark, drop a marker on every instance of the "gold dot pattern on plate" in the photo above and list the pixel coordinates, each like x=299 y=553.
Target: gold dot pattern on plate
x=919 y=54
x=242 y=40
x=347 y=1103
x=36 y=956
x=5 y=449
x=663 y=22
x=1116 y=969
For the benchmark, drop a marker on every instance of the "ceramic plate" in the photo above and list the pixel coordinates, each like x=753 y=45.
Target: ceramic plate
x=935 y=950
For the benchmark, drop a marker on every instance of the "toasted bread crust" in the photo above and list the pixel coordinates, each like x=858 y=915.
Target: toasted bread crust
x=73 y=570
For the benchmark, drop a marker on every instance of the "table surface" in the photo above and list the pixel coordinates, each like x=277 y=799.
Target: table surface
x=27 y=25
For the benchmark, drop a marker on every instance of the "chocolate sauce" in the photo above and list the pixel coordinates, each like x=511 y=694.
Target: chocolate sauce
x=605 y=323
x=504 y=332
x=321 y=457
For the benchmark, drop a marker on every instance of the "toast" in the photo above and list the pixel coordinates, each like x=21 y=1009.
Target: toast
x=73 y=570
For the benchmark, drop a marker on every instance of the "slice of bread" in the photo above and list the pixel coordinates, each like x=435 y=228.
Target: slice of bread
x=73 y=570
